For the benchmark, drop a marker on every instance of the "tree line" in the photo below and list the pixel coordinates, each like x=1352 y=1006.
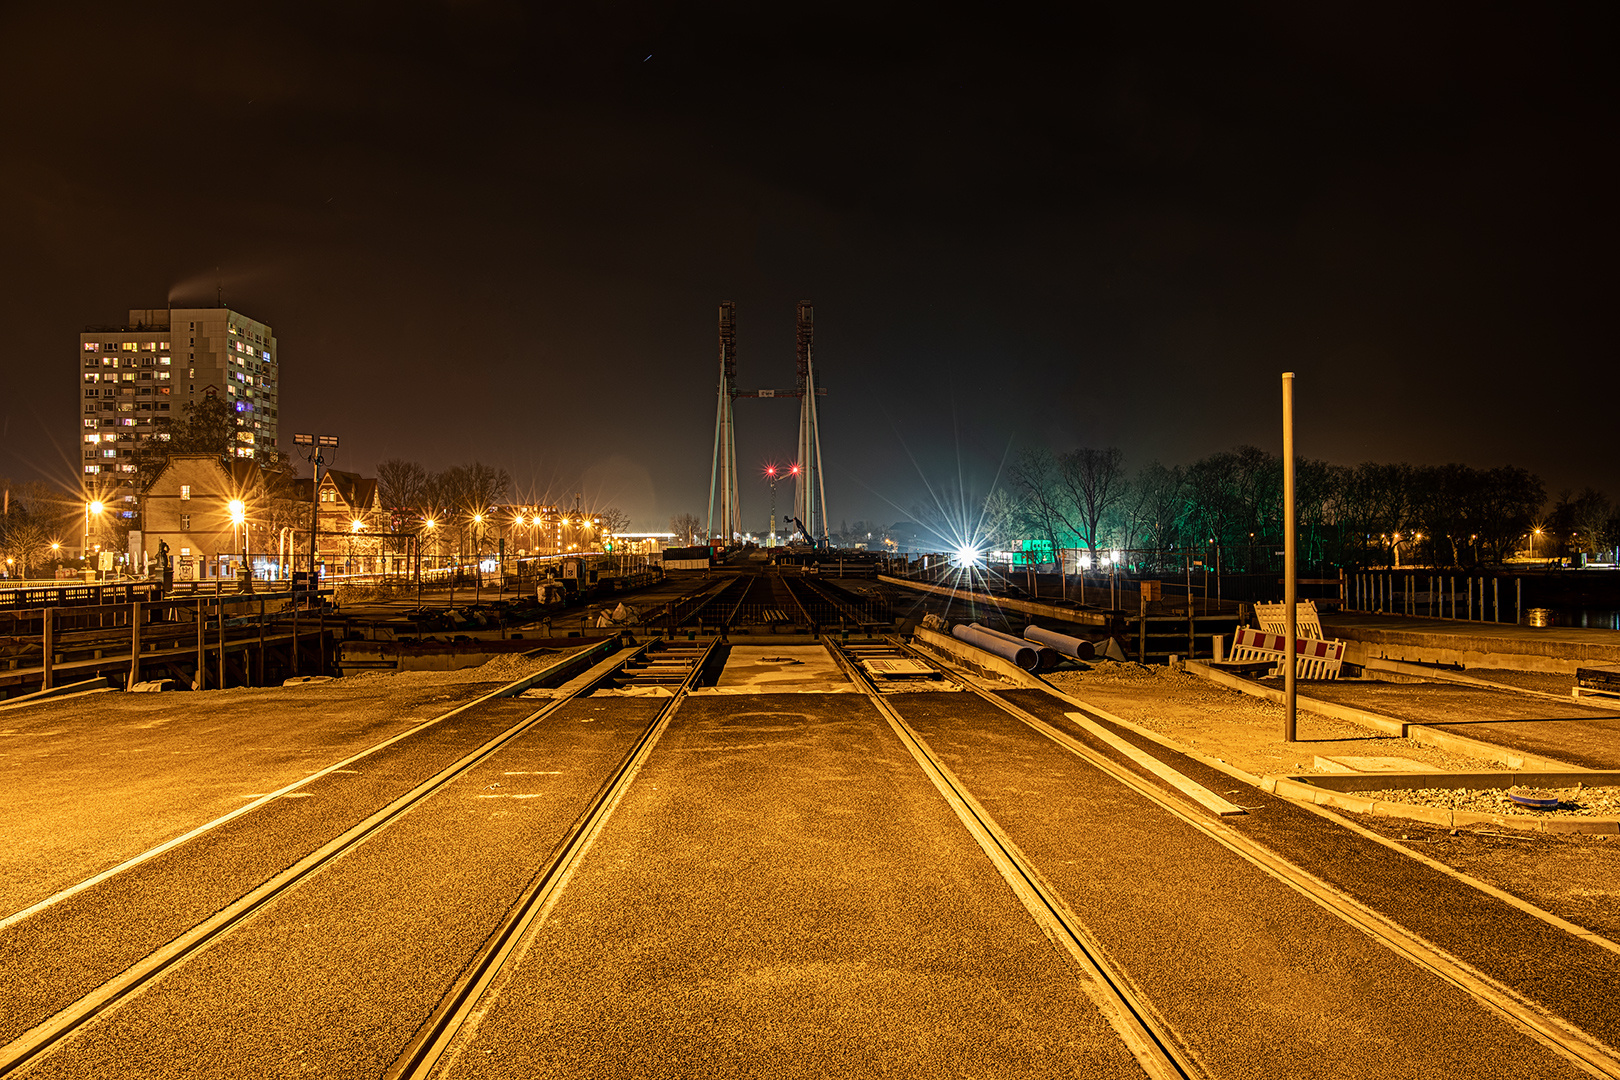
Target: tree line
x=1226 y=509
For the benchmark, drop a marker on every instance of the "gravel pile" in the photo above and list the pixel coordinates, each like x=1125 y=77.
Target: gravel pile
x=502 y=669
x=1577 y=801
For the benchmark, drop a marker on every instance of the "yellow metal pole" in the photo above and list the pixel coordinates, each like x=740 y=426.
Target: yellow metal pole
x=1290 y=559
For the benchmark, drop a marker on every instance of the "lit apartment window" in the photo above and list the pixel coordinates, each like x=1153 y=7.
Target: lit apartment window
x=92 y=378
x=90 y=423
x=130 y=346
x=92 y=438
x=163 y=361
x=185 y=491
x=163 y=375
x=92 y=468
x=148 y=346
x=163 y=345
x=91 y=346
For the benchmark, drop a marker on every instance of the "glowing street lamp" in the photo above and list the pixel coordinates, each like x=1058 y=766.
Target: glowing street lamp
x=238 y=510
x=94 y=506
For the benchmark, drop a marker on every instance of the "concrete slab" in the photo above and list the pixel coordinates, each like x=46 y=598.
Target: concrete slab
x=1353 y=763
x=775 y=669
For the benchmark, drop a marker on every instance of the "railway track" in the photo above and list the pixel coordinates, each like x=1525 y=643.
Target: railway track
x=670 y=668
x=887 y=672
x=1155 y=1045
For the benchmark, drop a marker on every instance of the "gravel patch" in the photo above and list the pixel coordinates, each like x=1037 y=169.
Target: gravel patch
x=499 y=669
x=1577 y=801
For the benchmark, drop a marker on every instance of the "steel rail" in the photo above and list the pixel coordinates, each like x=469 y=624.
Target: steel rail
x=458 y=1006
x=1551 y=1031
x=793 y=594
x=511 y=689
x=48 y=1033
x=846 y=611
x=1126 y=1010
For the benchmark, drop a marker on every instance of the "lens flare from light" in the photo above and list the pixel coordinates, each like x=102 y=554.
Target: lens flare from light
x=967 y=555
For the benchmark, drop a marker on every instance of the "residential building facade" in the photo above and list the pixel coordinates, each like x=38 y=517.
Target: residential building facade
x=132 y=375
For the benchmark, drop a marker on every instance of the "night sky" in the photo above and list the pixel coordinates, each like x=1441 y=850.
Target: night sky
x=501 y=231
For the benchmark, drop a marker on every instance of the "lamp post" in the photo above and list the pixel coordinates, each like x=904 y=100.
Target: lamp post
x=238 y=511
x=316 y=454
x=94 y=506
x=478 y=562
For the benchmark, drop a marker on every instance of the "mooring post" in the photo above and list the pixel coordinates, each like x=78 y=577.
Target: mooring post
x=1141 y=655
x=1496 y=599
x=49 y=659
x=134 y=642
x=202 y=646
x=261 y=640
x=1518 y=601
x=221 y=607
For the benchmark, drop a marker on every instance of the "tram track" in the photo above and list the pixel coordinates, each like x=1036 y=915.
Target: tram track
x=41 y=1038
x=1577 y=1047
x=436 y=1038
x=1144 y=1033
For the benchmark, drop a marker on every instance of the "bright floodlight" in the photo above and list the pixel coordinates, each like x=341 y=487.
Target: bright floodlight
x=238 y=511
x=96 y=508
x=968 y=555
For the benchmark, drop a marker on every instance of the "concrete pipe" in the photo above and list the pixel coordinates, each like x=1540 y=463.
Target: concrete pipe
x=1079 y=648
x=1022 y=655
x=1045 y=658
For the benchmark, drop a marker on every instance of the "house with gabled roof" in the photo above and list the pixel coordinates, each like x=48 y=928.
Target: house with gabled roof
x=349 y=520
x=187 y=508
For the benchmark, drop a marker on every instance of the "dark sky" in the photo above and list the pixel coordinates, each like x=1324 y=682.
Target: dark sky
x=501 y=231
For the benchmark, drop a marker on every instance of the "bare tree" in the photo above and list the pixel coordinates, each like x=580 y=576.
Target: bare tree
x=401 y=484
x=1037 y=478
x=1094 y=483
x=686 y=527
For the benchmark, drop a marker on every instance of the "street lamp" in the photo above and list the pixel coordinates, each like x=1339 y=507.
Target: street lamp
x=238 y=511
x=478 y=560
x=316 y=454
x=94 y=506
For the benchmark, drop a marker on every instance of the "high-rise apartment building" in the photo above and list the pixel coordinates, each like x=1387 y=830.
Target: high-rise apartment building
x=148 y=369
